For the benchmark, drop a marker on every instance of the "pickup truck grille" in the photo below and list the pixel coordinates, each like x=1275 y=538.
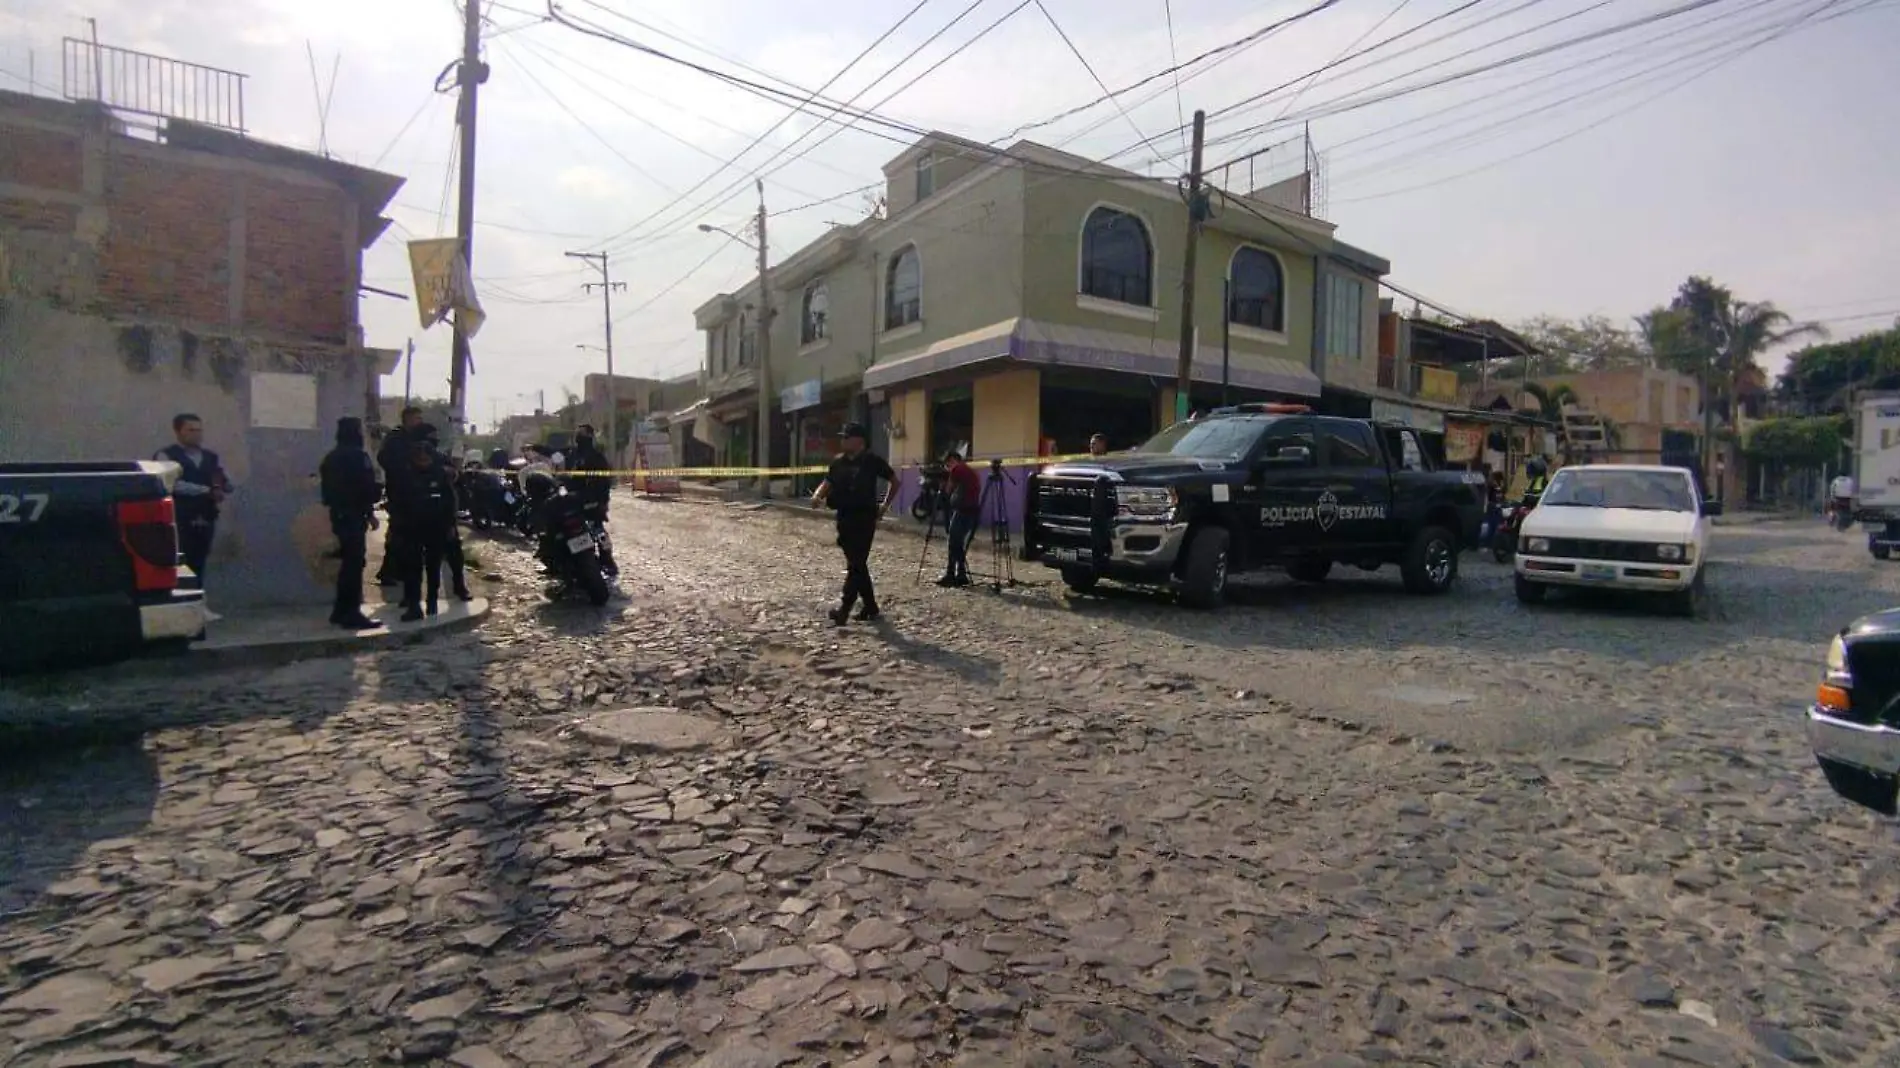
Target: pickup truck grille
x=1636 y=552
x=1876 y=670
x=1064 y=498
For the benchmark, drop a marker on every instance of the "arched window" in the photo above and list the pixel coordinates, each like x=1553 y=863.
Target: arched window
x=1256 y=290
x=813 y=324
x=1117 y=258
x=903 y=289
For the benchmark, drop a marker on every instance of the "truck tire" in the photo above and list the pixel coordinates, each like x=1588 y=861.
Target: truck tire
x=1529 y=592
x=1688 y=603
x=1881 y=552
x=1078 y=579
x=1430 y=565
x=1204 y=575
x=1309 y=570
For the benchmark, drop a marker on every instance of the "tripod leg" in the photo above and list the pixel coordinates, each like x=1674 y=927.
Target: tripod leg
x=924 y=556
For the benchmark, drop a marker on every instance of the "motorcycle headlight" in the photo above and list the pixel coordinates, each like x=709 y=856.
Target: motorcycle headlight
x=1144 y=501
x=1536 y=545
x=1669 y=552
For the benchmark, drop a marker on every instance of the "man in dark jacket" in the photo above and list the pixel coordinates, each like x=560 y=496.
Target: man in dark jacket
x=422 y=503
x=197 y=493
x=850 y=488
x=350 y=492
x=393 y=458
x=583 y=457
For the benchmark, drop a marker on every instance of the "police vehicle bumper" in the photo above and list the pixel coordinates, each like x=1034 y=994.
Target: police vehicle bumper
x=1871 y=747
x=178 y=615
x=1135 y=547
x=1606 y=574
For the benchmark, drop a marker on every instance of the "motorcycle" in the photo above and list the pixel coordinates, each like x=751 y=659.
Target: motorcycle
x=569 y=548
x=1504 y=539
x=596 y=512
x=930 y=495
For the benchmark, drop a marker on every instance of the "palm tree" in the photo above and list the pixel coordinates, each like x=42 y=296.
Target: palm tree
x=1551 y=399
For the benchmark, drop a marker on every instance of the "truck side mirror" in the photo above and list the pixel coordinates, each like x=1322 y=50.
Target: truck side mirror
x=1712 y=508
x=1288 y=456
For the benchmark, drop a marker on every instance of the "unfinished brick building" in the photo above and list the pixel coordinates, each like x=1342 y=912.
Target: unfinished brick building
x=176 y=266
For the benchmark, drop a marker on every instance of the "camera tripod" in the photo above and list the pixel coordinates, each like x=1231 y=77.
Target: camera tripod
x=991 y=503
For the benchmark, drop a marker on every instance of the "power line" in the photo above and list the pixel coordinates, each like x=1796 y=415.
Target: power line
x=1080 y=58
x=1180 y=108
x=797 y=109
x=1356 y=42
x=1705 y=69
x=591 y=132
x=1670 y=64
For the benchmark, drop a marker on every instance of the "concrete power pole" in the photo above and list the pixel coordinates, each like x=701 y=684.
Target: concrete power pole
x=761 y=447
x=1197 y=213
x=469 y=74
x=607 y=285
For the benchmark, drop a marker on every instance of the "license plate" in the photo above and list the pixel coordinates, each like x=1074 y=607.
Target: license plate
x=1599 y=572
x=1066 y=556
x=582 y=544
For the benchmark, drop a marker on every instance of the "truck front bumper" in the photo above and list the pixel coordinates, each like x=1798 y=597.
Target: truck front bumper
x=1137 y=548
x=1607 y=574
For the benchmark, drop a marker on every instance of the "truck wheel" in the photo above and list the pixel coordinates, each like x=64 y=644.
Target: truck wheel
x=1688 y=603
x=1866 y=788
x=1431 y=561
x=1881 y=552
x=1204 y=576
x=1529 y=592
x=1309 y=570
x=1078 y=580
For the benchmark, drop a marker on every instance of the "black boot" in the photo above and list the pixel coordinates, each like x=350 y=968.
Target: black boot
x=839 y=616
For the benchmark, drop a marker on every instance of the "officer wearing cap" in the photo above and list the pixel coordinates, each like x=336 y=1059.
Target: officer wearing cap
x=850 y=488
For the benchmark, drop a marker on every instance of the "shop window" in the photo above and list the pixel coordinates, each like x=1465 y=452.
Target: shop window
x=1256 y=290
x=813 y=324
x=903 y=289
x=952 y=419
x=1071 y=414
x=1117 y=258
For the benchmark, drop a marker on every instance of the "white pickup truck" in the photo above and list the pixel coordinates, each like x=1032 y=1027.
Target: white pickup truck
x=1618 y=527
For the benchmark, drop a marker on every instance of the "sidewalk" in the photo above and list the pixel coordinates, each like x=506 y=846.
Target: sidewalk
x=280 y=635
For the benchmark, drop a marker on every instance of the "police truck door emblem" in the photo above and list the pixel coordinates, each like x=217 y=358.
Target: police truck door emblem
x=1327 y=512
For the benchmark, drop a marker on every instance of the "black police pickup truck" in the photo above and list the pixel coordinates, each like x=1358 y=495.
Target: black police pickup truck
x=89 y=565
x=1250 y=487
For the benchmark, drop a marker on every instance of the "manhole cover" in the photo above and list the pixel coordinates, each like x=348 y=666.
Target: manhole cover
x=650 y=728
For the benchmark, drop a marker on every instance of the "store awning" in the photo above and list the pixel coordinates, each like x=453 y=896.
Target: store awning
x=1035 y=343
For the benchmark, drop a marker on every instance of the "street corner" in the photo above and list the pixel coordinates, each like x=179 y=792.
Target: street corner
x=262 y=638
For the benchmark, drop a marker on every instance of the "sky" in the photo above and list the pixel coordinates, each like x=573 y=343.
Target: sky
x=1754 y=141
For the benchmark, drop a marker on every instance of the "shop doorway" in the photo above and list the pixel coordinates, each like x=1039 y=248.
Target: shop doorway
x=952 y=419
x=1073 y=410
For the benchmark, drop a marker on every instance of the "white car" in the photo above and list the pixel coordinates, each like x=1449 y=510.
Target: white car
x=1619 y=527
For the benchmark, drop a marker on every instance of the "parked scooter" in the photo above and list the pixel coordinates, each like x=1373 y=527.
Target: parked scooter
x=1504 y=539
x=566 y=543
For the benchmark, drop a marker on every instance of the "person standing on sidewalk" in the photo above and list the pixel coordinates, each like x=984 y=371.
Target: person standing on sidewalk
x=393 y=458
x=198 y=493
x=423 y=505
x=850 y=488
x=350 y=492
x=966 y=494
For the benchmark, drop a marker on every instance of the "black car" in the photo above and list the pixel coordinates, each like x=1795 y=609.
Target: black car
x=1250 y=487
x=1854 y=722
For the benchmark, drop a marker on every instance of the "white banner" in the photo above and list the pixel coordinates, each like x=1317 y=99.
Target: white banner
x=443 y=285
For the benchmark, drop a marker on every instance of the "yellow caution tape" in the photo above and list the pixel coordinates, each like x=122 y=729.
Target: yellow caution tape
x=718 y=473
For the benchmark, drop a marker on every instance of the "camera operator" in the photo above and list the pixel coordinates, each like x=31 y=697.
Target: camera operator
x=965 y=493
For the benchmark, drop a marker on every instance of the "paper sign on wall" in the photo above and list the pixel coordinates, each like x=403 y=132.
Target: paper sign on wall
x=284 y=401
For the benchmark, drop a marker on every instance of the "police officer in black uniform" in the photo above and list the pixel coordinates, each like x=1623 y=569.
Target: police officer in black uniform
x=850 y=488
x=584 y=457
x=350 y=492
x=422 y=503
x=393 y=458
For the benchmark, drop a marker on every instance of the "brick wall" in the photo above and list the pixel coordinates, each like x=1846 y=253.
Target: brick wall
x=166 y=251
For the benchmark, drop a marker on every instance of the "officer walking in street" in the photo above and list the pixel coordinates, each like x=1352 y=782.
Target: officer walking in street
x=350 y=492
x=850 y=488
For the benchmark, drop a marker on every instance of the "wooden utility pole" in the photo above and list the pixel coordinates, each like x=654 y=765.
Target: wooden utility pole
x=1197 y=214
x=607 y=285
x=470 y=73
x=761 y=446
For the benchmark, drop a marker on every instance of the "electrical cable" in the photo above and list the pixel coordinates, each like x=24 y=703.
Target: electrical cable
x=1356 y=42
x=1789 y=27
x=1174 y=57
x=1103 y=86
x=586 y=126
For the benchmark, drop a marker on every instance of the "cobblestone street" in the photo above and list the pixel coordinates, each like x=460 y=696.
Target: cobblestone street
x=1328 y=825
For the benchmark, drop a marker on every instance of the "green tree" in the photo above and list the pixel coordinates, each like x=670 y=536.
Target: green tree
x=1707 y=325
x=1798 y=441
x=1551 y=399
x=1821 y=378
x=1592 y=343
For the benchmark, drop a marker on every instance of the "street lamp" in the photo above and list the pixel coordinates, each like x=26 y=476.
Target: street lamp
x=709 y=228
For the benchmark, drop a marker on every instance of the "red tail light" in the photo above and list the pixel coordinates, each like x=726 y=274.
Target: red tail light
x=576 y=526
x=149 y=532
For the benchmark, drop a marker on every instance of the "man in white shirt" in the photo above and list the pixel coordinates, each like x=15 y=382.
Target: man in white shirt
x=1841 y=493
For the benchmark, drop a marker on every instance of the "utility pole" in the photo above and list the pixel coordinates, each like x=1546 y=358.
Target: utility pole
x=607 y=285
x=761 y=447
x=470 y=73
x=1197 y=213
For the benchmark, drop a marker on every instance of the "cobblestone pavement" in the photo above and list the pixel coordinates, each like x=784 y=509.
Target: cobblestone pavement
x=1329 y=825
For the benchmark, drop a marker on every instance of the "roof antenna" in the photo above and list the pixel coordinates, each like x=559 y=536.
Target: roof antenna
x=323 y=98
